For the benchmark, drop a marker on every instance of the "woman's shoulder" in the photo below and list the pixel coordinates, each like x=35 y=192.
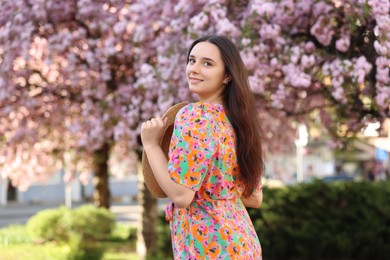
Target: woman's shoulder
x=191 y=110
x=200 y=109
x=195 y=113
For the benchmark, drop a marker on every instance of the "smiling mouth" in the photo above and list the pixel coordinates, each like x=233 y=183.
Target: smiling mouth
x=194 y=80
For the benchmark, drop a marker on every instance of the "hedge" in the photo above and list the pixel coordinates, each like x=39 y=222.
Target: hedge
x=80 y=229
x=319 y=220
x=340 y=220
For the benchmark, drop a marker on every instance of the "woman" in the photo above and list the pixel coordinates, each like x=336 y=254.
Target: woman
x=215 y=158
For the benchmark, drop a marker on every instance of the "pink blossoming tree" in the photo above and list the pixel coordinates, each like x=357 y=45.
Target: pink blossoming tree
x=311 y=60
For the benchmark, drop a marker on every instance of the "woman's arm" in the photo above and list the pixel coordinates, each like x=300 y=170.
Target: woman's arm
x=254 y=200
x=151 y=132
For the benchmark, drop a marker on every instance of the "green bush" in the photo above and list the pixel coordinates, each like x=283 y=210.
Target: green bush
x=79 y=228
x=124 y=232
x=48 y=225
x=325 y=221
x=81 y=248
x=90 y=222
x=132 y=237
x=317 y=221
x=15 y=243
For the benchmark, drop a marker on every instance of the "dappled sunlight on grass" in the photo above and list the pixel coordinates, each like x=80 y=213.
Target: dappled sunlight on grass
x=15 y=244
x=30 y=251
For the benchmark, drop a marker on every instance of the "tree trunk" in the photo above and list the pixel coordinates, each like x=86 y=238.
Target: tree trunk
x=147 y=235
x=101 y=194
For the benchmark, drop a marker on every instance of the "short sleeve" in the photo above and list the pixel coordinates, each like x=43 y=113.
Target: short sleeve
x=191 y=148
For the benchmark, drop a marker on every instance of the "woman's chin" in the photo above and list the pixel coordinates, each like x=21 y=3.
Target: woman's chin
x=194 y=89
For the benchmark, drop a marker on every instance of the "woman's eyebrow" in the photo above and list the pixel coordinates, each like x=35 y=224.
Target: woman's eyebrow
x=203 y=58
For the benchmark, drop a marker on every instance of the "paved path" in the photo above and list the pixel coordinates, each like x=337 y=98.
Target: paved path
x=20 y=213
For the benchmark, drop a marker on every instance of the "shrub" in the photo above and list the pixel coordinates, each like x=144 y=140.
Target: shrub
x=80 y=229
x=48 y=225
x=325 y=221
x=132 y=234
x=90 y=222
x=316 y=221
x=81 y=248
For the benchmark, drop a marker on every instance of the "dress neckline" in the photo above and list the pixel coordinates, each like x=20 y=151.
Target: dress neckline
x=210 y=103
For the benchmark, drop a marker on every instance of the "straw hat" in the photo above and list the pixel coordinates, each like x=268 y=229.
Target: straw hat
x=150 y=181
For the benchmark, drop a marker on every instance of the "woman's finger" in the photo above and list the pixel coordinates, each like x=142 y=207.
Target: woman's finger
x=157 y=121
x=145 y=124
x=160 y=121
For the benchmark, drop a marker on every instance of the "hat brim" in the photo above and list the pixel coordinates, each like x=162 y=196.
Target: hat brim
x=149 y=178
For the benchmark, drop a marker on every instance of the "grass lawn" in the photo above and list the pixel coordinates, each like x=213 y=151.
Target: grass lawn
x=51 y=252
x=29 y=251
x=15 y=244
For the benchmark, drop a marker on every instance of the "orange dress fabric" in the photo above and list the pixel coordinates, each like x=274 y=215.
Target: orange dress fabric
x=202 y=157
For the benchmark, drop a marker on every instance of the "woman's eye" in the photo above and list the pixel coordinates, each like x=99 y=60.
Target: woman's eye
x=207 y=63
x=191 y=61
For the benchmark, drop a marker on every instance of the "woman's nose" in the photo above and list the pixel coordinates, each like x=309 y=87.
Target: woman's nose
x=194 y=67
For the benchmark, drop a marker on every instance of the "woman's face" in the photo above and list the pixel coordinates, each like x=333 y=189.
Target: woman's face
x=206 y=72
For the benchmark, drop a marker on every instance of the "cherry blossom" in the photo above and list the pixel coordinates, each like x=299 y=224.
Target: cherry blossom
x=83 y=75
x=78 y=77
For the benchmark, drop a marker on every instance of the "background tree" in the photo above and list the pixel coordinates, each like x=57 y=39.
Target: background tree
x=325 y=61
x=74 y=88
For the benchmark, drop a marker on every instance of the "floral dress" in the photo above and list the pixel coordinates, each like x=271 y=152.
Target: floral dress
x=202 y=157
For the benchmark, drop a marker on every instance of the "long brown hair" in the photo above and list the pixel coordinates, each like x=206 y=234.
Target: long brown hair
x=239 y=103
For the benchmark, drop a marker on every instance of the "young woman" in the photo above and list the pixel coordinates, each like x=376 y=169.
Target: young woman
x=215 y=158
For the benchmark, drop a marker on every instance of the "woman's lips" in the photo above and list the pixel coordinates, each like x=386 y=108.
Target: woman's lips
x=194 y=80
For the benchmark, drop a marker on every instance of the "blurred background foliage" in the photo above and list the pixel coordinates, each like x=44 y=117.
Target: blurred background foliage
x=317 y=220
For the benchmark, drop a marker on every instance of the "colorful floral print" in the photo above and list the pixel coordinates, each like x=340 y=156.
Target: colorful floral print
x=202 y=157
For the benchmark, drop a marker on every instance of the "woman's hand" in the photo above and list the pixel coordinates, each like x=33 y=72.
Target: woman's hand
x=152 y=131
x=151 y=134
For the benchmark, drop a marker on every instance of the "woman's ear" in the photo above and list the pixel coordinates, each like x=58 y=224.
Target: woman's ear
x=227 y=79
